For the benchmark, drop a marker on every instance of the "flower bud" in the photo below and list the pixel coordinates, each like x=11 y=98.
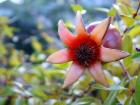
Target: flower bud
x=112 y=38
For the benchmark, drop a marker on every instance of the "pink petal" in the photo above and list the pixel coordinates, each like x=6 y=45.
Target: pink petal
x=80 y=28
x=65 y=35
x=60 y=56
x=100 y=30
x=73 y=75
x=97 y=72
x=108 y=55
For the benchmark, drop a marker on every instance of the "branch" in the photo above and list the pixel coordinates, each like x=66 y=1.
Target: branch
x=84 y=92
x=126 y=74
x=134 y=15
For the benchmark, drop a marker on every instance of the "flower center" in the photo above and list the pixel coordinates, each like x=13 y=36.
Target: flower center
x=84 y=51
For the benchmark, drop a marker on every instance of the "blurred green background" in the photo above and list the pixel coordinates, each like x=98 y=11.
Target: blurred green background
x=28 y=35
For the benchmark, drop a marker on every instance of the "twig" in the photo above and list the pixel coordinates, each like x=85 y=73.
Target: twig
x=135 y=14
x=125 y=30
x=83 y=93
x=126 y=74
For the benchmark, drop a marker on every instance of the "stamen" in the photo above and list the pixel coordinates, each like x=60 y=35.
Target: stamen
x=85 y=51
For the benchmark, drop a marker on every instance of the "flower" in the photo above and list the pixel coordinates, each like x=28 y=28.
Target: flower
x=85 y=50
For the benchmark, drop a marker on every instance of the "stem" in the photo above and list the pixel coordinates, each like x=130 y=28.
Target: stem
x=84 y=92
x=126 y=29
x=125 y=72
x=135 y=14
x=127 y=75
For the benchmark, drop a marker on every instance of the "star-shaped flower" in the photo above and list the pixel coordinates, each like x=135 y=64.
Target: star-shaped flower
x=85 y=50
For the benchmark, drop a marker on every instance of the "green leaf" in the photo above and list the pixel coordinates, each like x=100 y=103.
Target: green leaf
x=111 y=88
x=4 y=20
x=36 y=45
x=6 y=91
x=134 y=31
x=62 y=66
x=58 y=74
x=37 y=57
x=128 y=61
x=126 y=2
x=137 y=91
x=112 y=95
x=122 y=97
x=118 y=9
x=112 y=12
x=129 y=21
x=69 y=24
x=87 y=101
x=8 y=31
x=59 y=103
x=116 y=87
x=136 y=56
x=127 y=10
x=127 y=44
x=77 y=7
x=111 y=98
x=14 y=57
x=129 y=101
x=2 y=101
x=122 y=9
x=137 y=17
x=21 y=101
x=2 y=49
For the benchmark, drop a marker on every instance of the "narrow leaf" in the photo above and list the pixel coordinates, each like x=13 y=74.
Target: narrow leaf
x=127 y=20
x=137 y=92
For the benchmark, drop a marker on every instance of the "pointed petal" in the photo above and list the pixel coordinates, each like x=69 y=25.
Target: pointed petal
x=73 y=75
x=100 y=30
x=97 y=72
x=80 y=28
x=65 y=35
x=60 y=56
x=108 y=55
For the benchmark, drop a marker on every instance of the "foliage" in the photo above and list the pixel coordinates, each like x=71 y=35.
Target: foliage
x=27 y=79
